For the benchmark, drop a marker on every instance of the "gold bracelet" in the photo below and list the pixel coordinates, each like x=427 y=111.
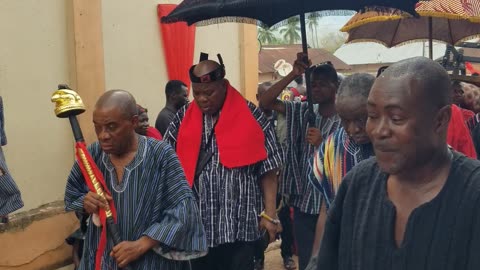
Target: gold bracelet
x=267 y=217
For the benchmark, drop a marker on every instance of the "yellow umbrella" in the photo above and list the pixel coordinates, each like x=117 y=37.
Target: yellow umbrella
x=448 y=21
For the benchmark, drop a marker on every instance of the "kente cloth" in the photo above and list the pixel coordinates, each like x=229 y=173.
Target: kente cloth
x=299 y=154
x=230 y=200
x=458 y=135
x=443 y=233
x=240 y=137
x=153 y=133
x=337 y=155
x=153 y=199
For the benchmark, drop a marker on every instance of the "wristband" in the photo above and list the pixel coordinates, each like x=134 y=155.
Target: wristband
x=267 y=217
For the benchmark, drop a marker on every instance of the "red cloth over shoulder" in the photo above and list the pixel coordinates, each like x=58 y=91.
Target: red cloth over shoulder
x=154 y=133
x=239 y=136
x=467 y=114
x=458 y=135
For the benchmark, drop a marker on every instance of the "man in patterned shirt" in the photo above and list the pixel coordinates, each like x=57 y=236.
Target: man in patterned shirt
x=157 y=215
x=302 y=140
x=230 y=155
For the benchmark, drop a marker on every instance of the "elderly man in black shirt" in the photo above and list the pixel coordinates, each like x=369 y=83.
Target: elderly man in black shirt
x=416 y=205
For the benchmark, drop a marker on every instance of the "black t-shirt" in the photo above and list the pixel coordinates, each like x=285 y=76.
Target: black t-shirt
x=164 y=118
x=441 y=234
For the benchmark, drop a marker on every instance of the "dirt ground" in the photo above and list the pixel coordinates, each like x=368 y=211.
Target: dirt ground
x=273 y=259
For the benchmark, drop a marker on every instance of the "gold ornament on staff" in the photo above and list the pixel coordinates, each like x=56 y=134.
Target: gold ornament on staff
x=68 y=104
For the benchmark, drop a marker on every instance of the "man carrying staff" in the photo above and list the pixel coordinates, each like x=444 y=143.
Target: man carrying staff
x=417 y=204
x=230 y=155
x=156 y=211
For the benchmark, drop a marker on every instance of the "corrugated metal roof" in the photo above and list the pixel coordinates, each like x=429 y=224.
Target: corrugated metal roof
x=270 y=54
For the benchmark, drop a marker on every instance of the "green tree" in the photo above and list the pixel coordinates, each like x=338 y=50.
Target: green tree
x=312 y=24
x=266 y=36
x=291 y=31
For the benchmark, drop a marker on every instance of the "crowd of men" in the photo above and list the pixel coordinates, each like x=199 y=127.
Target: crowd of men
x=382 y=174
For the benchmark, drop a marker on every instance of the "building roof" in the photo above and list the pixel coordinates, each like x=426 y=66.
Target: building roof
x=374 y=53
x=270 y=54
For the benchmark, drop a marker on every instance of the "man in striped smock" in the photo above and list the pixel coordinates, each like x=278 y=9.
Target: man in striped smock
x=157 y=215
x=230 y=155
x=346 y=147
x=301 y=142
x=10 y=198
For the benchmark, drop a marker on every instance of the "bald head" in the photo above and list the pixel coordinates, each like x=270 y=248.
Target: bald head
x=205 y=67
x=118 y=99
x=427 y=77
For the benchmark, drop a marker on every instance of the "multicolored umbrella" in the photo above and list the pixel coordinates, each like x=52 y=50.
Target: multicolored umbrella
x=448 y=21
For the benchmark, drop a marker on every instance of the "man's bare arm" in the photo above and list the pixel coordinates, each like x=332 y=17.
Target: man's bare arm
x=320 y=228
x=269 y=98
x=269 y=184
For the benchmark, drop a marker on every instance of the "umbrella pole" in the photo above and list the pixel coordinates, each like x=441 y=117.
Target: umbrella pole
x=430 y=37
x=311 y=114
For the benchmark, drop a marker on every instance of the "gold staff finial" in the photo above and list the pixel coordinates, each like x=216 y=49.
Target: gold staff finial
x=67 y=102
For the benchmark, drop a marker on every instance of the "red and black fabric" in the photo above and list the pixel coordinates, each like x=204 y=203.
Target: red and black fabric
x=458 y=135
x=240 y=138
x=154 y=133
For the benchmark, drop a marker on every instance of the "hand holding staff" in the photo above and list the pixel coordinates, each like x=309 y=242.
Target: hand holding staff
x=68 y=104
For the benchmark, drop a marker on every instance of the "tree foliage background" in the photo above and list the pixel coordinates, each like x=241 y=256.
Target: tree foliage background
x=320 y=33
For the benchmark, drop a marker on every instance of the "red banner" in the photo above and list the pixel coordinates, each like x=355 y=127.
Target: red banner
x=178 y=45
x=85 y=160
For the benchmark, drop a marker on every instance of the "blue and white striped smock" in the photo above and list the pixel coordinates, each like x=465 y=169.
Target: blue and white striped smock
x=10 y=198
x=153 y=199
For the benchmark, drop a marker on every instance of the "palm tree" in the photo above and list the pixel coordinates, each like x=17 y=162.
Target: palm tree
x=312 y=24
x=266 y=35
x=290 y=31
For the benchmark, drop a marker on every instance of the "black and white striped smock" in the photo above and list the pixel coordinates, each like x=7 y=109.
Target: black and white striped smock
x=230 y=200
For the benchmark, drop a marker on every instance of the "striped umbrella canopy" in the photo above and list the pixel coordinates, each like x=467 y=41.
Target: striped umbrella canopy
x=447 y=21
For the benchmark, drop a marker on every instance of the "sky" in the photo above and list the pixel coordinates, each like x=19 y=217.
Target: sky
x=326 y=25
x=372 y=52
